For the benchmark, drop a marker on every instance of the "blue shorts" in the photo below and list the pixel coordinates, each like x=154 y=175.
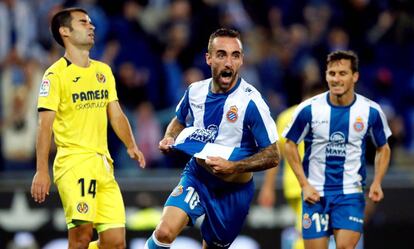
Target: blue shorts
x=333 y=212
x=224 y=204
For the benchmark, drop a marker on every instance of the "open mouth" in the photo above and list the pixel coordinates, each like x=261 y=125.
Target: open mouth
x=226 y=74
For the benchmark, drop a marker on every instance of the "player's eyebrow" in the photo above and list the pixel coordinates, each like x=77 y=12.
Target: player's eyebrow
x=85 y=20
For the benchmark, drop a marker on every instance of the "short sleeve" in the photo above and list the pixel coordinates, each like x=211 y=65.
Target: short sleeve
x=49 y=92
x=261 y=123
x=183 y=108
x=299 y=125
x=379 y=129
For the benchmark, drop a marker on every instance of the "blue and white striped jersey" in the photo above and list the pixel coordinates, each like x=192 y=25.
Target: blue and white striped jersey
x=239 y=118
x=335 y=141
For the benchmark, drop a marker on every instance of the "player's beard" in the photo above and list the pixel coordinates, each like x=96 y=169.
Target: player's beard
x=224 y=79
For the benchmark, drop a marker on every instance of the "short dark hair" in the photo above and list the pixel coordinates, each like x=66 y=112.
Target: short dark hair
x=223 y=32
x=62 y=19
x=344 y=55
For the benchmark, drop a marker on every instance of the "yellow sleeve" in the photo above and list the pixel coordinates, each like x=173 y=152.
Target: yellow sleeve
x=50 y=91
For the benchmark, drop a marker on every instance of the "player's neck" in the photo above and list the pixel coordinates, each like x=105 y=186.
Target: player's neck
x=79 y=57
x=342 y=100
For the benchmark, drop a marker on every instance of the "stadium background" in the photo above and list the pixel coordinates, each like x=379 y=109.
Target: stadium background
x=156 y=48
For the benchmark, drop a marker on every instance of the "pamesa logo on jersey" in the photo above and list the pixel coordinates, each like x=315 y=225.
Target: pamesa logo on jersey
x=205 y=135
x=336 y=146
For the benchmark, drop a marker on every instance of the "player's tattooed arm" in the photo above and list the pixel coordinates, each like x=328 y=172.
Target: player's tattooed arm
x=266 y=158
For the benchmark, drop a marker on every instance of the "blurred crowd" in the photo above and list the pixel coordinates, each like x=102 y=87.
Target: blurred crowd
x=156 y=48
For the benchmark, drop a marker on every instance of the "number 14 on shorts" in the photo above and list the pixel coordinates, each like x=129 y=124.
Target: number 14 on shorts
x=91 y=188
x=321 y=221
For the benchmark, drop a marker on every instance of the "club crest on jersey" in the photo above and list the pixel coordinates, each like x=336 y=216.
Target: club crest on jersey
x=100 y=77
x=177 y=190
x=306 y=222
x=82 y=207
x=359 y=124
x=232 y=114
x=44 y=88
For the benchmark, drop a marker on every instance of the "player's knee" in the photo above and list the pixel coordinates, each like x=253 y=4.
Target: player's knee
x=114 y=244
x=81 y=242
x=344 y=245
x=164 y=234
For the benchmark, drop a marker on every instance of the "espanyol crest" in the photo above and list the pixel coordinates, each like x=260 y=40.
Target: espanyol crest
x=359 y=124
x=232 y=114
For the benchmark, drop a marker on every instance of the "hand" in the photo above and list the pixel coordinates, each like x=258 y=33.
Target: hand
x=40 y=186
x=165 y=144
x=310 y=194
x=136 y=154
x=375 y=192
x=267 y=197
x=220 y=165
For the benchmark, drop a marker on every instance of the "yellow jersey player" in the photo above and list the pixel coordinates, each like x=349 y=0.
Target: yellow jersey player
x=77 y=98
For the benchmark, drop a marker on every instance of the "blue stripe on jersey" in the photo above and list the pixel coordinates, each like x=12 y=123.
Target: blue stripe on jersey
x=375 y=125
x=304 y=118
x=253 y=119
x=336 y=149
x=213 y=110
x=182 y=110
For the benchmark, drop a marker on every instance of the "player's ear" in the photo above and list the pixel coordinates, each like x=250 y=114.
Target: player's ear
x=355 y=77
x=208 y=59
x=64 y=31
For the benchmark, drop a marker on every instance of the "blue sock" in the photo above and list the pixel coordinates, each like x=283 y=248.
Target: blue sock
x=153 y=243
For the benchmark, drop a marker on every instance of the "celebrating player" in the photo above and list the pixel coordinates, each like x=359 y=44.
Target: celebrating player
x=224 y=110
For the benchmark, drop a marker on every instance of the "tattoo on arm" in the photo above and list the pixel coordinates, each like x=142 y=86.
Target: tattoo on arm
x=266 y=158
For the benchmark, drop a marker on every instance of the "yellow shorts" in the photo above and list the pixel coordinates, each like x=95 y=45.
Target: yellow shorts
x=89 y=192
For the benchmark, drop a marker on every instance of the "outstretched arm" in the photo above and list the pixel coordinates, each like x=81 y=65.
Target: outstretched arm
x=41 y=180
x=123 y=130
x=173 y=130
x=382 y=159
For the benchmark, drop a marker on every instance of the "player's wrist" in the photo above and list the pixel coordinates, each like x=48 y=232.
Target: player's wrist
x=170 y=136
x=132 y=146
x=42 y=171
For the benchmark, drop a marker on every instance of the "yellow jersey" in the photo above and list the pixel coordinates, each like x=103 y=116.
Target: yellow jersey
x=291 y=187
x=79 y=96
